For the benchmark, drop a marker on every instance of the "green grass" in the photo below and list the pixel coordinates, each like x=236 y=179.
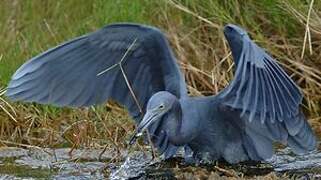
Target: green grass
x=30 y=27
x=26 y=172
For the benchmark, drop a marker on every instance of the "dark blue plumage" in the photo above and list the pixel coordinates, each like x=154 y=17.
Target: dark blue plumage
x=260 y=106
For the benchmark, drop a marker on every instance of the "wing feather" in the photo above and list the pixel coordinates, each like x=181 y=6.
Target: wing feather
x=262 y=92
x=256 y=92
x=283 y=90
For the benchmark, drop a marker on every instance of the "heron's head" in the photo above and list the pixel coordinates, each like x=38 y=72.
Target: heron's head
x=235 y=37
x=158 y=105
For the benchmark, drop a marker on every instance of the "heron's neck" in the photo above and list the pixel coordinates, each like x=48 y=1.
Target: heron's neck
x=177 y=129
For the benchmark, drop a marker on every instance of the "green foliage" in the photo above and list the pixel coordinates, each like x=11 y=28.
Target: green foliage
x=26 y=172
x=30 y=27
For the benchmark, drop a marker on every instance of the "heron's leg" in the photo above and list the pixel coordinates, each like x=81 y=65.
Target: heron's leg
x=204 y=158
x=188 y=155
x=207 y=158
x=151 y=145
x=197 y=158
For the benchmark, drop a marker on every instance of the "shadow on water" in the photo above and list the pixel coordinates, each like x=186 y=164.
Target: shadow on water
x=46 y=163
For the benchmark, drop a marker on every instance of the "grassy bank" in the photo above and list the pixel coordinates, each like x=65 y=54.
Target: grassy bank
x=195 y=32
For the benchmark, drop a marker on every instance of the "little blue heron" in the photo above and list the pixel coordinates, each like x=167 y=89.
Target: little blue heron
x=134 y=65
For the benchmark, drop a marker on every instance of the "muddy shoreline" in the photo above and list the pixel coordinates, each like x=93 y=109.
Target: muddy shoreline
x=38 y=163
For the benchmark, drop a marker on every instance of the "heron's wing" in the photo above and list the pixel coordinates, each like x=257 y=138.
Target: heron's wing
x=266 y=101
x=84 y=71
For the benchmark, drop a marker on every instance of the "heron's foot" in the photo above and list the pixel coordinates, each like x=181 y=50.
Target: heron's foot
x=204 y=159
x=190 y=160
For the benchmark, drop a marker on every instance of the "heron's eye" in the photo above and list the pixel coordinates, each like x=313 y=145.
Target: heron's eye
x=161 y=106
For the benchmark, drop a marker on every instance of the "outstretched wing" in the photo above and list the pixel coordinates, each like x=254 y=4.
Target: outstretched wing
x=85 y=71
x=92 y=68
x=266 y=98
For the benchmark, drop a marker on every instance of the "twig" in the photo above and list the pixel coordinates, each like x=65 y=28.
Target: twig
x=9 y=105
x=121 y=60
x=131 y=90
x=30 y=126
x=124 y=75
x=307 y=34
x=25 y=145
x=50 y=30
x=8 y=113
x=108 y=69
x=2 y=91
x=102 y=152
x=226 y=172
x=185 y=9
x=188 y=66
x=151 y=144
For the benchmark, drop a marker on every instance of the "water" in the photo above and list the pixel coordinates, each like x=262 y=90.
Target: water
x=36 y=163
x=53 y=163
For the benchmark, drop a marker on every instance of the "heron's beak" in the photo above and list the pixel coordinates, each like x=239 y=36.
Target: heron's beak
x=148 y=119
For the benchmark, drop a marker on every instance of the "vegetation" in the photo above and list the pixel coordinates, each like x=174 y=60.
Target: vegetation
x=289 y=30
